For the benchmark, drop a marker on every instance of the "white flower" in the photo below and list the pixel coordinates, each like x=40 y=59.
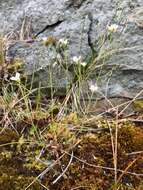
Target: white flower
x=93 y=87
x=76 y=59
x=44 y=39
x=63 y=42
x=54 y=64
x=112 y=28
x=58 y=56
x=16 y=78
x=83 y=64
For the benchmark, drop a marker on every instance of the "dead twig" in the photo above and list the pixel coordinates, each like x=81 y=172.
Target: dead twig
x=134 y=153
x=126 y=169
x=104 y=167
x=64 y=171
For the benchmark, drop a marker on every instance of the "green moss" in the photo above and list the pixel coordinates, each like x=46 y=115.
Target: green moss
x=96 y=150
x=27 y=155
x=138 y=105
x=17 y=182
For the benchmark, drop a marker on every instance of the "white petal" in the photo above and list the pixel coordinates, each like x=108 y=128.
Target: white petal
x=93 y=88
x=44 y=39
x=112 y=28
x=12 y=78
x=83 y=64
x=17 y=75
x=66 y=42
x=16 y=78
x=77 y=59
x=61 y=41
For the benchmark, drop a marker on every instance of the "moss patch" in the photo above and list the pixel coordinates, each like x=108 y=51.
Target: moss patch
x=92 y=164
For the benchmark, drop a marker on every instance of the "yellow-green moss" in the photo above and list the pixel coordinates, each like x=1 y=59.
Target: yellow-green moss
x=19 y=164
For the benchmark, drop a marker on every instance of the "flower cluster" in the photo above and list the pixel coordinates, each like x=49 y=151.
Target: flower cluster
x=112 y=28
x=63 y=42
x=78 y=61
